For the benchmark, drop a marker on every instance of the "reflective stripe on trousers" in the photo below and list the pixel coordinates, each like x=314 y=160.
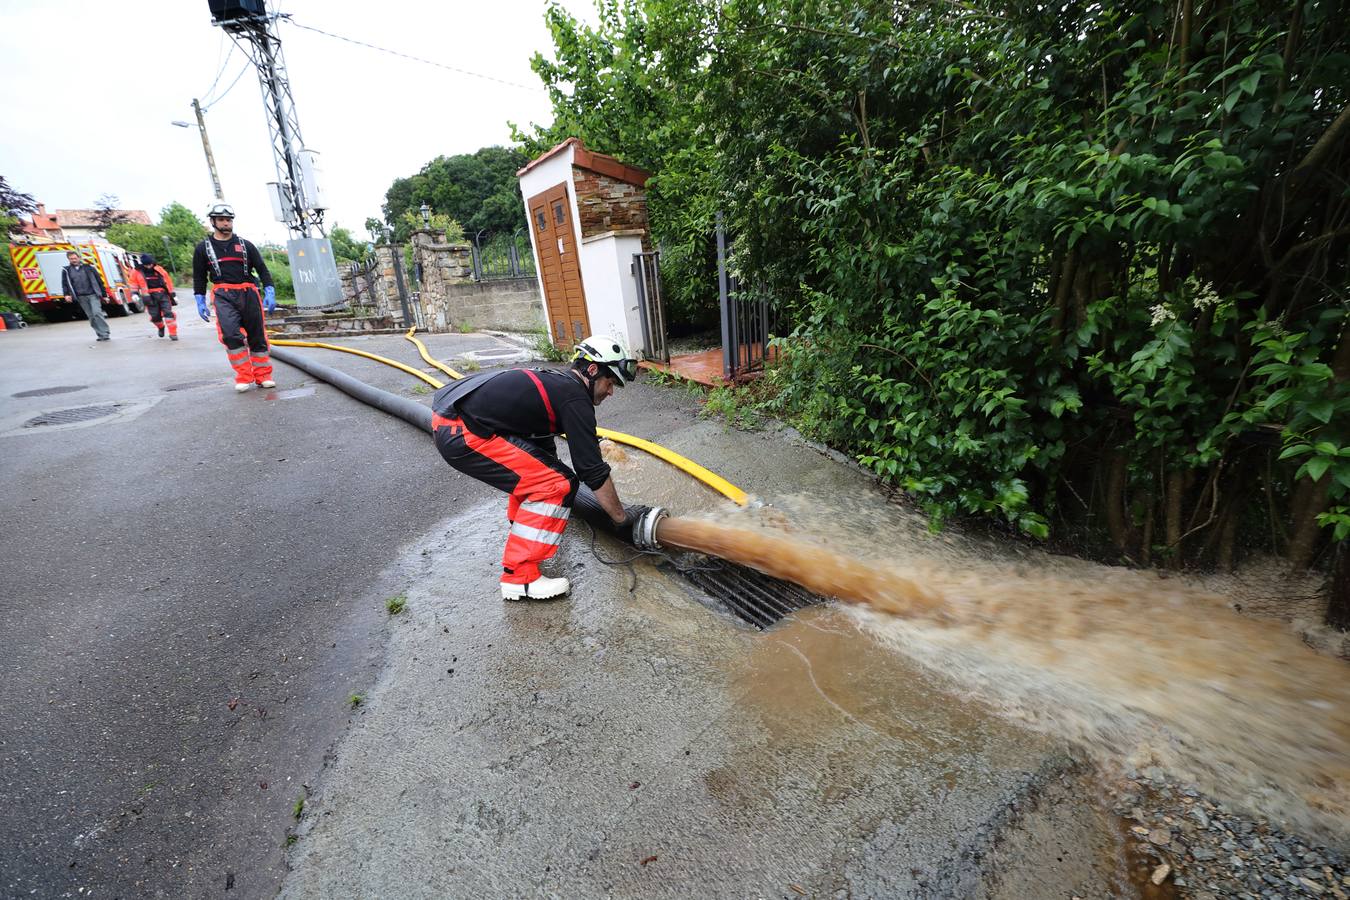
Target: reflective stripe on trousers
x=540 y=485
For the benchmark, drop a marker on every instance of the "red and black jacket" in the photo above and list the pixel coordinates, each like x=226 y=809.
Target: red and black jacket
x=153 y=280
x=529 y=403
x=236 y=257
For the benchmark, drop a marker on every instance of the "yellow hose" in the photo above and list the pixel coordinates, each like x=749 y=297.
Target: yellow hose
x=381 y=359
x=683 y=463
x=428 y=358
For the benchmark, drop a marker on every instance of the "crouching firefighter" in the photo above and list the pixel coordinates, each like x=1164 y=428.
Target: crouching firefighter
x=227 y=259
x=156 y=290
x=499 y=427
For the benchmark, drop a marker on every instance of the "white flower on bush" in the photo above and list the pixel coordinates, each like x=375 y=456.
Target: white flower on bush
x=1161 y=314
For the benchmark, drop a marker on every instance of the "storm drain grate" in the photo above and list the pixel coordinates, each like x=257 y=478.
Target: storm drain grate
x=73 y=415
x=47 y=392
x=753 y=596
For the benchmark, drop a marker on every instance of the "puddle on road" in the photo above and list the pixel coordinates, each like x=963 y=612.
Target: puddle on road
x=291 y=394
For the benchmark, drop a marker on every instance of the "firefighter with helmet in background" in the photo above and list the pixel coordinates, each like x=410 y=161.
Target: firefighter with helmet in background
x=499 y=427
x=155 y=286
x=227 y=259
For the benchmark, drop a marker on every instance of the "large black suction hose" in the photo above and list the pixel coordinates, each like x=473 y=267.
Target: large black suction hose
x=415 y=414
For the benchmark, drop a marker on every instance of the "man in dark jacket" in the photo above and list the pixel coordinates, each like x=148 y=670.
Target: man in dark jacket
x=499 y=428
x=227 y=259
x=81 y=281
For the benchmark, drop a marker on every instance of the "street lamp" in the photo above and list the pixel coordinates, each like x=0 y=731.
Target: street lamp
x=206 y=146
x=168 y=252
x=426 y=214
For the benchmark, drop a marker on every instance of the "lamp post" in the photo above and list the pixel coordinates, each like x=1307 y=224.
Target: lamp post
x=168 y=252
x=206 y=146
x=426 y=215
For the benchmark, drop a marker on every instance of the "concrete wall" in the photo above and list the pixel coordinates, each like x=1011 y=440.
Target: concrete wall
x=507 y=304
x=451 y=300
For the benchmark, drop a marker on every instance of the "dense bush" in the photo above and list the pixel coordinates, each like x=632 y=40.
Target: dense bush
x=1079 y=267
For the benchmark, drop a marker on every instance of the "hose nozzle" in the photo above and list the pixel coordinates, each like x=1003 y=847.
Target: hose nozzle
x=644 y=529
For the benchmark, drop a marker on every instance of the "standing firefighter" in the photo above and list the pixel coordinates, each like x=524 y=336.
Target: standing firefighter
x=156 y=290
x=499 y=428
x=227 y=259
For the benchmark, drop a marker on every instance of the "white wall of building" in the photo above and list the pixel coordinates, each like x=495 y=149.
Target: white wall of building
x=611 y=290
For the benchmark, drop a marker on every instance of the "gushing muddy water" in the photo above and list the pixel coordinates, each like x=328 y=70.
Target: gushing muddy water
x=1137 y=669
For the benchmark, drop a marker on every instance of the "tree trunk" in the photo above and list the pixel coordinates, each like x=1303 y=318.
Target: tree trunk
x=1338 y=604
x=1176 y=487
x=1115 y=502
x=1310 y=501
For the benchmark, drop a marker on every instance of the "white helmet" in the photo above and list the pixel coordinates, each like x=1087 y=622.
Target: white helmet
x=611 y=354
x=220 y=209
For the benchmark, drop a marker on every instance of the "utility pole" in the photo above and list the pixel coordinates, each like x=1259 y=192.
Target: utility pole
x=297 y=195
x=206 y=145
x=254 y=31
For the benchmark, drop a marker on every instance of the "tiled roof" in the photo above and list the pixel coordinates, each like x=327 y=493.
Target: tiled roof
x=88 y=218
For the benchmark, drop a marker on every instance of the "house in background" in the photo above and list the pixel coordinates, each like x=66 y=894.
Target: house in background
x=70 y=226
x=82 y=225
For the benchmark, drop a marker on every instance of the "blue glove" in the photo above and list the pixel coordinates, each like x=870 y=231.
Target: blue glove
x=270 y=298
x=202 y=309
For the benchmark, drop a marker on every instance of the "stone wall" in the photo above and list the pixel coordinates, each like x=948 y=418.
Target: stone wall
x=452 y=301
x=607 y=204
x=377 y=288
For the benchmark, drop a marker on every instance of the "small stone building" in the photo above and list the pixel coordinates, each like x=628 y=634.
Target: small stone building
x=588 y=216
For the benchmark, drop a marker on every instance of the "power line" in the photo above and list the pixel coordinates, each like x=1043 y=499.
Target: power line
x=242 y=70
x=429 y=62
x=219 y=72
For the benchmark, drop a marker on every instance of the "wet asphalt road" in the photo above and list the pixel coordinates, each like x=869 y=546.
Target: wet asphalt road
x=189 y=595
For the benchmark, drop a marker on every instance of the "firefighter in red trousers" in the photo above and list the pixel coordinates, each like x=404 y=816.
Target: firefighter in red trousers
x=226 y=259
x=499 y=428
x=156 y=290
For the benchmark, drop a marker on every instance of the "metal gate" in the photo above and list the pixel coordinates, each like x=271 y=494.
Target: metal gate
x=747 y=318
x=651 y=309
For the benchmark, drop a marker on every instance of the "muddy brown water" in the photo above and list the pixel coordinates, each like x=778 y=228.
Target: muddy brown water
x=1138 y=670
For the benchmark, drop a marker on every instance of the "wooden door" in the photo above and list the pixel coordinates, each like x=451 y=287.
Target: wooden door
x=559 y=266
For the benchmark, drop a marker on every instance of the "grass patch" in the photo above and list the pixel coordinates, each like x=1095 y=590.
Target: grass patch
x=355 y=700
x=291 y=839
x=746 y=406
x=421 y=389
x=470 y=365
x=299 y=808
x=396 y=605
x=544 y=347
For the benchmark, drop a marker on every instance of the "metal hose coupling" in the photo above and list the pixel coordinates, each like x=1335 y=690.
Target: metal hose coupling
x=644 y=529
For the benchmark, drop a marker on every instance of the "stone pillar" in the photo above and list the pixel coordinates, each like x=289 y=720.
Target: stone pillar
x=442 y=266
x=385 y=286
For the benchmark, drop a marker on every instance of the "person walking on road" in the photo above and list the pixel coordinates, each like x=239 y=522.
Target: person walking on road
x=156 y=290
x=81 y=281
x=227 y=259
x=499 y=427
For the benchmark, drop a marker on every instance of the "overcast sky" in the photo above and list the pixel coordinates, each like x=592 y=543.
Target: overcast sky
x=91 y=88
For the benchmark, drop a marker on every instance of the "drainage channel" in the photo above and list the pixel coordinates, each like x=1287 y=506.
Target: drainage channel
x=753 y=597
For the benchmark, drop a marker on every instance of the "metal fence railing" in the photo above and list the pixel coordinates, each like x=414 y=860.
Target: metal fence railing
x=747 y=318
x=501 y=255
x=651 y=305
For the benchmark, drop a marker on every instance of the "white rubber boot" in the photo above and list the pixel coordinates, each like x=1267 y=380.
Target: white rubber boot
x=269 y=383
x=542 y=588
x=241 y=387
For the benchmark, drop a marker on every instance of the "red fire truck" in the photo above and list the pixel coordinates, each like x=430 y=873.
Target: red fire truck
x=39 y=269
